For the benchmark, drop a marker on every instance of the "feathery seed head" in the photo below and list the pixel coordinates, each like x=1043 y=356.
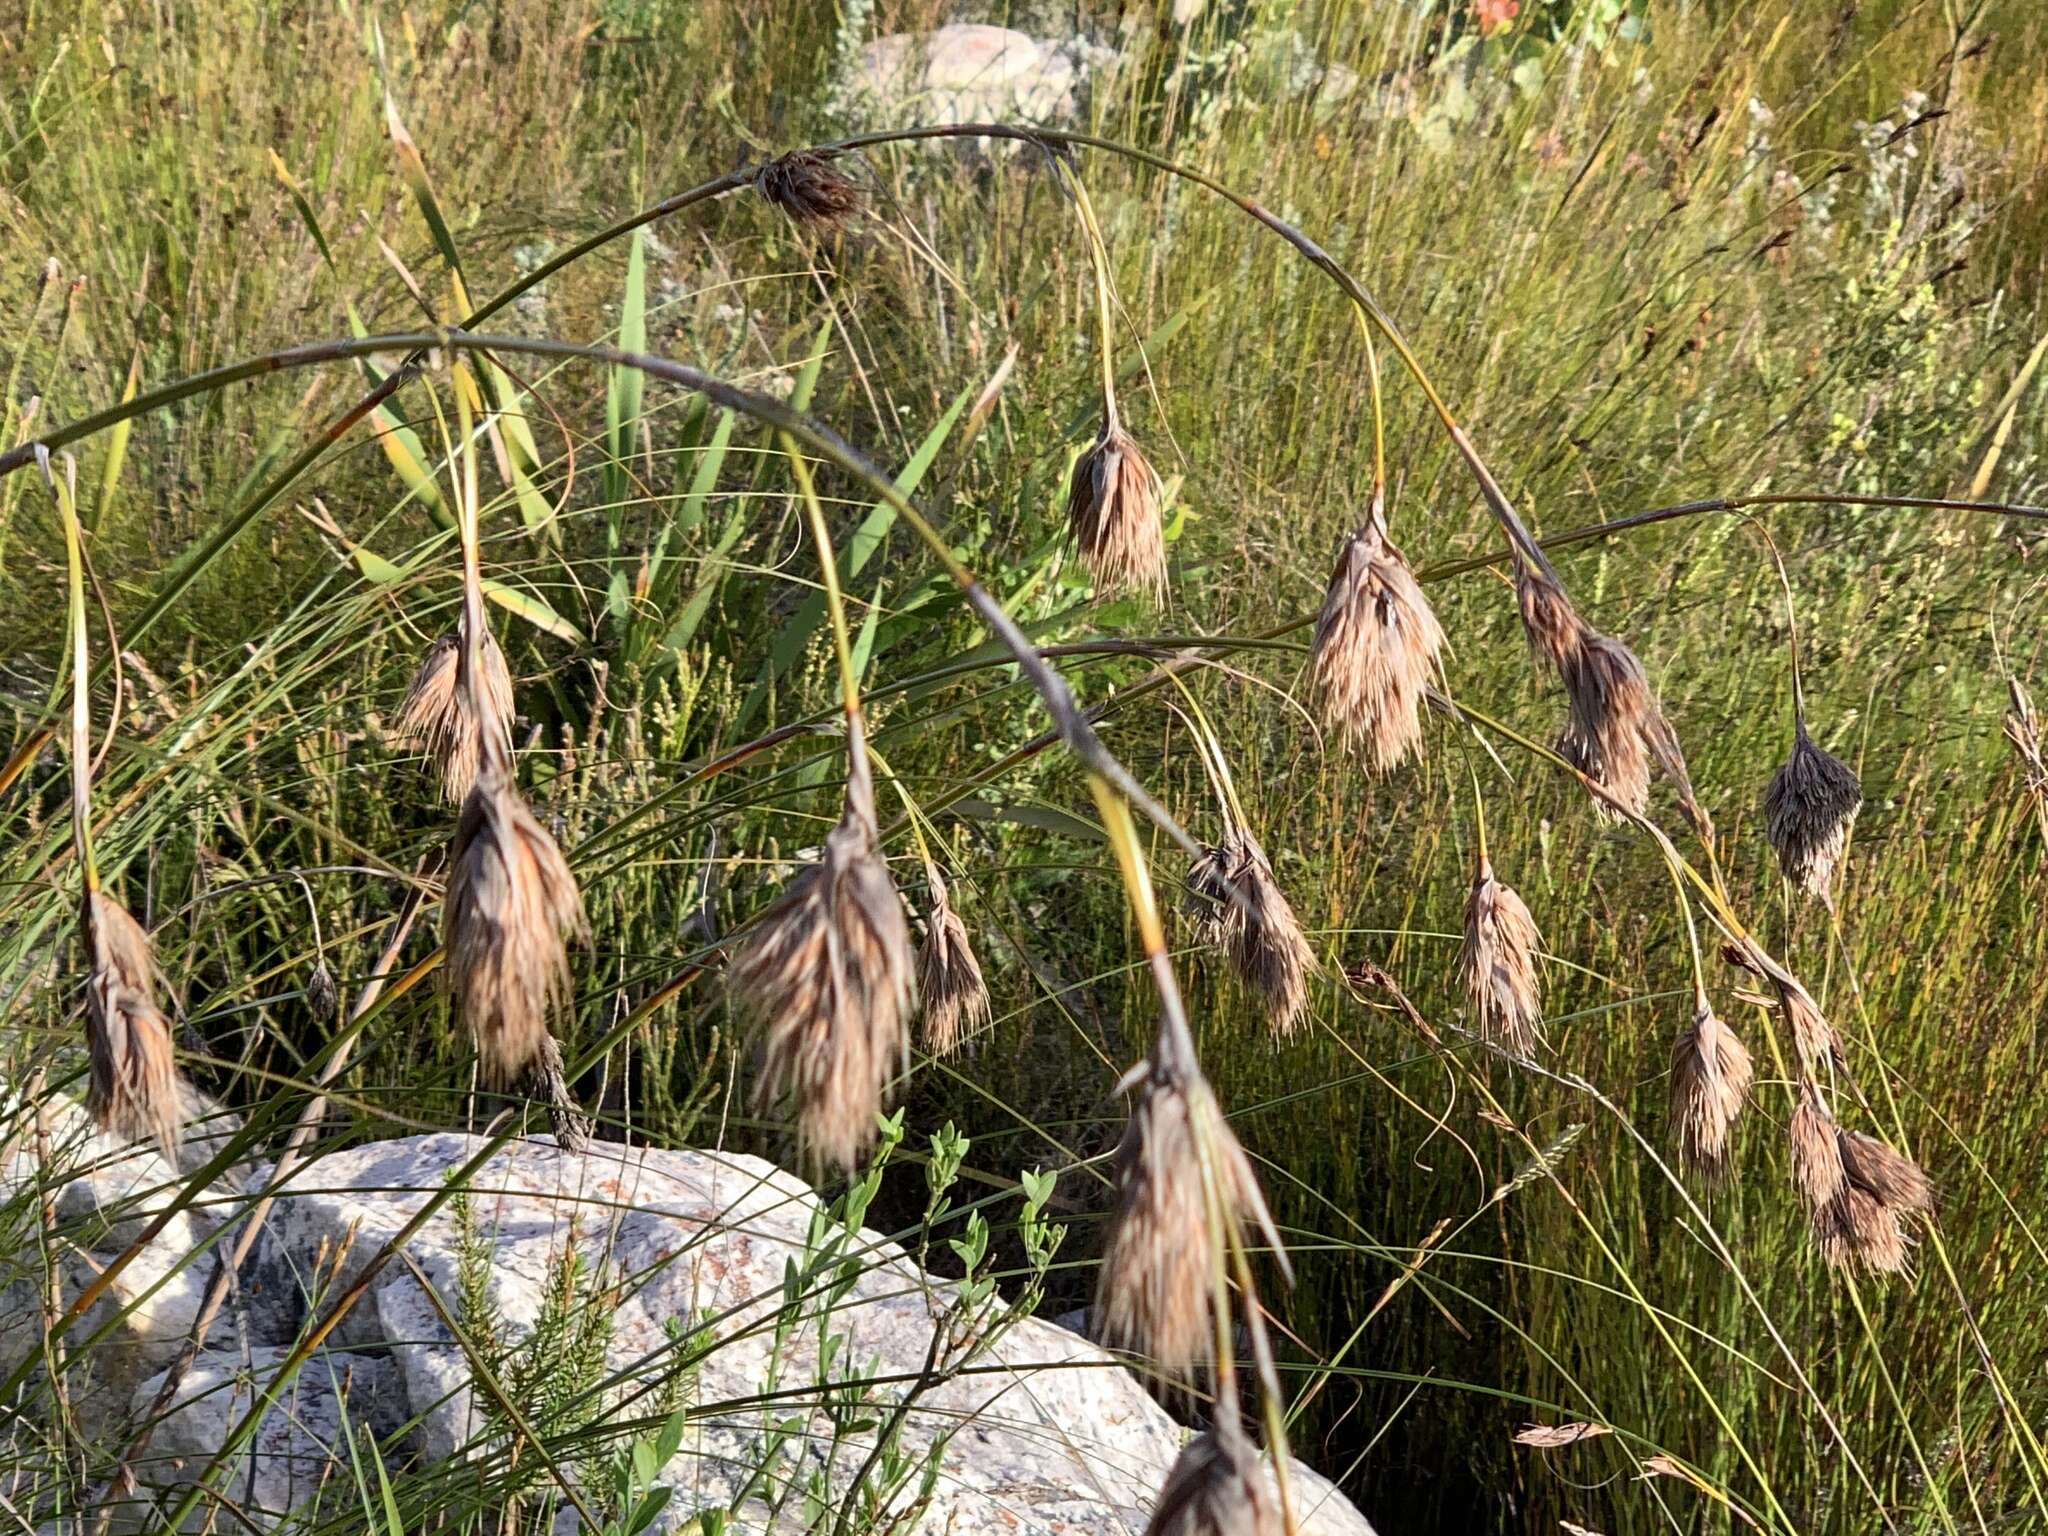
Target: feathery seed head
x=954 y=996
x=1263 y=939
x=1817 y=1161
x=1710 y=1076
x=807 y=186
x=511 y=907
x=134 y=1091
x=1155 y=1296
x=1113 y=514
x=826 y=978
x=1549 y=620
x=1809 y=807
x=1858 y=1191
x=1217 y=1487
x=436 y=718
x=1208 y=889
x=1376 y=647
x=1611 y=710
x=1497 y=964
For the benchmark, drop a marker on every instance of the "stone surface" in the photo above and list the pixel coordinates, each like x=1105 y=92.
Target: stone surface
x=300 y=1451
x=104 y=1195
x=964 y=73
x=1048 y=1434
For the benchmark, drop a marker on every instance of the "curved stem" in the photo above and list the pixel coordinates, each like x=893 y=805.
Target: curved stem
x=1791 y=621
x=63 y=492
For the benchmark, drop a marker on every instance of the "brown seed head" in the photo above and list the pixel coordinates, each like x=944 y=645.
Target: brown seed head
x=547 y=1082
x=1217 y=1487
x=1813 y=1034
x=1809 y=807
x=1710 y=1076
x=1611 y=709
x=2023 y=730
x=1891 y=1178
x=1113 y=514
x=1376 y=647
x=807 y=186
x=954 y=996
x=826 y=978
x=435 y=719
x=1155 y=1297
x=1817 y=1162
x=1497 y=965
x=1263 y=939
x=510 y=909
x=134 y=1092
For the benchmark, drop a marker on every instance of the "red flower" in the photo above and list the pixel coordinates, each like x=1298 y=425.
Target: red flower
x=1494 y=15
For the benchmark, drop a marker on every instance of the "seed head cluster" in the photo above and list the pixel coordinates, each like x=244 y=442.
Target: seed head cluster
x=1859 y=1193
x=133 y=1092
x=1376 y=647
x=807 y=186
x=1710 y=1077
x=1497 y=964
x=1241 y=910
x=435 y=718
x=1809 y=807
x=1217 y=1487
x=512 y=905
x=950 y=987
x=826 y=979
x=1113 y=514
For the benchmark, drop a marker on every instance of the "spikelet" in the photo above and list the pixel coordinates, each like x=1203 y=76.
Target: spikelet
x=1549 y=620
x=1817 y=1162
x=1263 y=938
x=826 y=979
x=547 y=1081
x=1155 y=1294
x=1217 y=1487
x=1113 y=513
x=134 y=1092
x=1376 y=647
x=2023 y=731
x=511 y=907
x=434 y=719
x=1497 y=964
x=1809 y=807
x=950 y=986
x=1710 y=1076
x=807 y=186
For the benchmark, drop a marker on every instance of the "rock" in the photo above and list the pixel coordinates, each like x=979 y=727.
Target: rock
x=964 y=73
x=664 y=1272
x=105 y=1196
x=301 y=1445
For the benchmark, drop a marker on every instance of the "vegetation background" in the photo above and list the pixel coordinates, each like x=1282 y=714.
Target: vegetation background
x=1651 y=251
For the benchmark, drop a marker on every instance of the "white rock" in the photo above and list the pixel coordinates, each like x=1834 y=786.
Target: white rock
x=1047 y=1432
x=963 y=73
x=300 y=1450
x=106 y=1194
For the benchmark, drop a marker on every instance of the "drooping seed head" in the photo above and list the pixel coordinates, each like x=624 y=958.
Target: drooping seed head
x=1859 y=1193
x=134 y=1092
x=1890 y=1177
x=436 y=719
x=1208 y=889
x=321 y=996
x=826 y=978
x=1710 y=1077
x=1809 y=807
x=1263 y=938
x=1610 y=712
x=1817 y=1163
x=1497 y=964
x=547 y=1082
x=950 y=985
x=1376 y=647
x=1113 y=514
x=1155 y=1295
x=511 y=907
x=1217 y=1487
x=807 y=186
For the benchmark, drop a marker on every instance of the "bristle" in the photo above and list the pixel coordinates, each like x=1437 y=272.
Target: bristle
x=807 y=186
x=1809 y=807
x=1208 y=888
x=1113 y=514
x=434 y=719
x=826 y=978
x=1710 y=1077
x=134 y=1092
x=1156 y=1297
x=1376 y=647
x=1217 y=1487
x=511 y=906
x=1497 y=964
x=950 y=986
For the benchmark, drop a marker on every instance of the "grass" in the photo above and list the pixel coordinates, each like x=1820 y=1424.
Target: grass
x=1724 y=257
